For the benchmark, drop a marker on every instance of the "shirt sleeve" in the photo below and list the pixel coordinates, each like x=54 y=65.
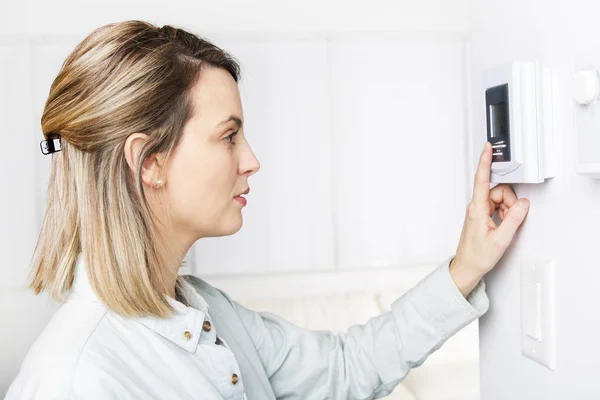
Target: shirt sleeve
x=369 y=360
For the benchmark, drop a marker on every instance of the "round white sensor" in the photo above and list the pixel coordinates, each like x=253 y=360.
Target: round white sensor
x=585 y=87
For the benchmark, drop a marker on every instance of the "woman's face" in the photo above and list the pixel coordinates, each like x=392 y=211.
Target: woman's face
x=209 y=169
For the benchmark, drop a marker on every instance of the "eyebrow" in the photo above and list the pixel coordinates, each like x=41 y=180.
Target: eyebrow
x=236 y=120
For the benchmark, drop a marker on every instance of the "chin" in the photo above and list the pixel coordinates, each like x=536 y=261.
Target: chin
x=229 y=227
x=225 y=225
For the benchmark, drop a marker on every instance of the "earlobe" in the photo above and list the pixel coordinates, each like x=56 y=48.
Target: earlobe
x=152 y=172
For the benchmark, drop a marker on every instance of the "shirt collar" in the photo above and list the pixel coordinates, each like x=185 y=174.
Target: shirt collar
x=183 y=327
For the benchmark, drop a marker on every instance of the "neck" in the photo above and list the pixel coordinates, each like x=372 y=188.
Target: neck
x=175 y=242
x=174 y=261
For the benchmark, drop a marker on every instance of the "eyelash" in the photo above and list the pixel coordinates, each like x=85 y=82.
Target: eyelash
x=230 y=138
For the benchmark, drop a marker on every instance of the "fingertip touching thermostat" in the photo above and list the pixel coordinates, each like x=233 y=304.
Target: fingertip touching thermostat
x=519 y=122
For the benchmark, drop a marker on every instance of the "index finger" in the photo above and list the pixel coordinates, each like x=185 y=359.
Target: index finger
x=481 y=188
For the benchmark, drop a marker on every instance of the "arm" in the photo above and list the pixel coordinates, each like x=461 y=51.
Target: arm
x=369 y=360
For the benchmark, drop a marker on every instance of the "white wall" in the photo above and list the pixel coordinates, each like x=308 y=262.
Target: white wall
x=79 y=16
x=352 y=108
x=564 y=216
x=354 y=135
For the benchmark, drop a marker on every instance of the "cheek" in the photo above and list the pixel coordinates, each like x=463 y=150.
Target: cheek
x=202 y=183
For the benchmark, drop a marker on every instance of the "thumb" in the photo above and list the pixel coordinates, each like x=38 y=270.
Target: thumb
x=512 y=221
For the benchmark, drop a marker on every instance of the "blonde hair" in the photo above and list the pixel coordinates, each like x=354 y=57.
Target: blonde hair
x=121 y=79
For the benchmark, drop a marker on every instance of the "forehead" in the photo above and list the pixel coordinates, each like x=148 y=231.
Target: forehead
x=216 y=95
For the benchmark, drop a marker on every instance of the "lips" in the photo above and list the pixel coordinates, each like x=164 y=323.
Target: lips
x=241 y=199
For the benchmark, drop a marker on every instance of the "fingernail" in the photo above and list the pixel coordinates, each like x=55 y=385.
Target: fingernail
x=524 y=203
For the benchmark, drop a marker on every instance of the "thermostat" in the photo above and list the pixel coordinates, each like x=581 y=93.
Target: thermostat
x=519 y=122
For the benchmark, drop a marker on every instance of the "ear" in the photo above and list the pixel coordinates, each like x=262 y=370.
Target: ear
x=152 y=167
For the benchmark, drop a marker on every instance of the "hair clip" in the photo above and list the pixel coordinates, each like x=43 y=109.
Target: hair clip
x=52 y=145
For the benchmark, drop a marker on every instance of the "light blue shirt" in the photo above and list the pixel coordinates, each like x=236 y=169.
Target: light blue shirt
x=213 y=348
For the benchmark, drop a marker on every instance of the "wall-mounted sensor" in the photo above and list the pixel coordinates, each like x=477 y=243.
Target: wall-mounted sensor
x=586 y=90
x=519 y=122
x=585 y=87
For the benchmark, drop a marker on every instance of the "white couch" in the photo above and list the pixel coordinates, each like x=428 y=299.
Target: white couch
x=337 y=300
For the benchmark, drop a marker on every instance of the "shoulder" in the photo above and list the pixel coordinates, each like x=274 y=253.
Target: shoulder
x=52 y=360
x=210 y=293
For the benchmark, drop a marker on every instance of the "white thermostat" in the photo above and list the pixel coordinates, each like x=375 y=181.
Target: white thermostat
x=519 y=122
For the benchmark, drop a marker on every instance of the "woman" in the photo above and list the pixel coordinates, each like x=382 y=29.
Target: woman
x=146 y=129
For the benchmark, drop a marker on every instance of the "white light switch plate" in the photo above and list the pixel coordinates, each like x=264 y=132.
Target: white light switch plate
x=538 y=322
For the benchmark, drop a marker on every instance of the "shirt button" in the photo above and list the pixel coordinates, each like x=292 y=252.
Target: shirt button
x=206 y=326
x=234 y=379
x=187 y=335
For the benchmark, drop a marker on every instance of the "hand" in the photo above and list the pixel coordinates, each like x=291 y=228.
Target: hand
x=482 y=242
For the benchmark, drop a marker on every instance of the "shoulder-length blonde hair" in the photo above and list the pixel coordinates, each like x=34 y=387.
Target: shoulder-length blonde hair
x=123 y=78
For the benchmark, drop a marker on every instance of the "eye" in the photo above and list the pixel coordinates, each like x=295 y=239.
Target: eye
x=230 y=137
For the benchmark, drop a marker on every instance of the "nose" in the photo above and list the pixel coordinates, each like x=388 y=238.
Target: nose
x=249 y=164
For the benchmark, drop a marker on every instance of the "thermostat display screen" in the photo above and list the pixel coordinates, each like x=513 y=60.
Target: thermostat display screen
x=498 y=121
x=499 y=116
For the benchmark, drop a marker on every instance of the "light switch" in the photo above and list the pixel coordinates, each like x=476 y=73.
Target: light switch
x=531 y=309
x=538 y=325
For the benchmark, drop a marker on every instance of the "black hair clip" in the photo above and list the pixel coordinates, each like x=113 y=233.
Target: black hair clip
x=52 y=145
